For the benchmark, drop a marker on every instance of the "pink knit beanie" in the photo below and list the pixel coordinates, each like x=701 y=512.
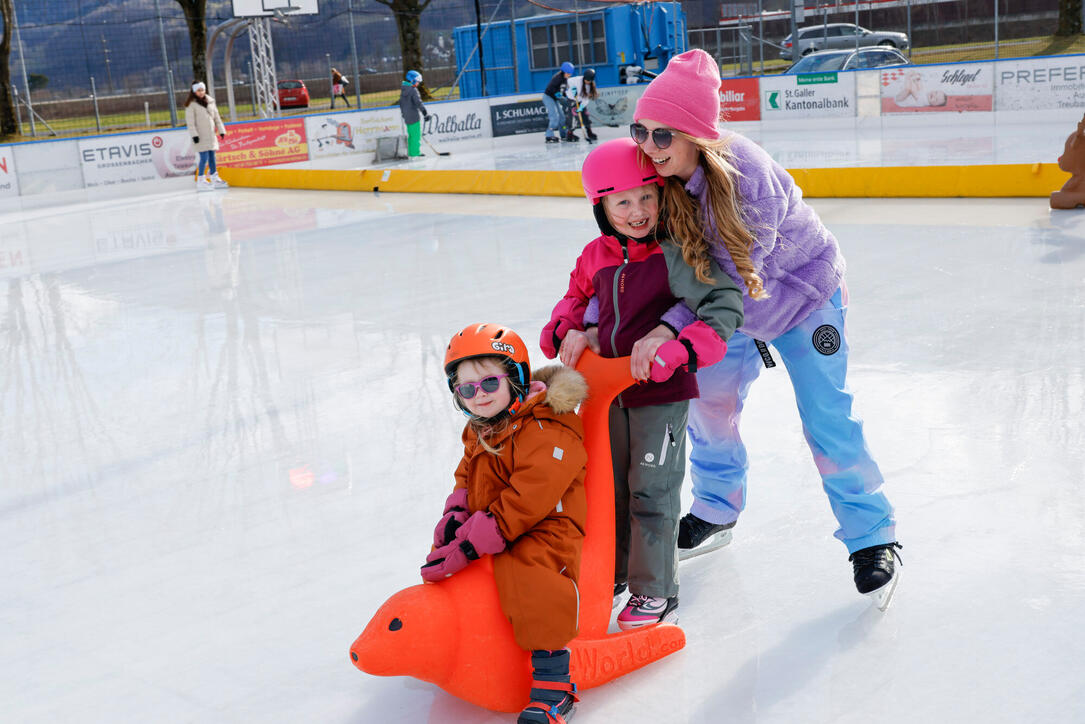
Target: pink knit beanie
x=685 y=96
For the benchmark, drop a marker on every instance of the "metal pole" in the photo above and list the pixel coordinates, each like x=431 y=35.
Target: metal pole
x=578 y=57
x=18 y=111
x=996 y=29
x=354 y=55
x=166 y=65
x=147 y=112
x=22 y=62
x=94 y=95
x=481 y=61
x=512 y=38
x=229 y=71
x=761 y=36
x=857 y=24
x=910 y=43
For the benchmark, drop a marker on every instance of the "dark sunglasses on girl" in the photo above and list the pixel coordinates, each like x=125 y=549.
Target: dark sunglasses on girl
x=661 y=137
x=467 y=390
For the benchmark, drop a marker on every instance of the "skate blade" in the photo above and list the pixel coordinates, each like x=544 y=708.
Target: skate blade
x=713 y=542
x=883 y=596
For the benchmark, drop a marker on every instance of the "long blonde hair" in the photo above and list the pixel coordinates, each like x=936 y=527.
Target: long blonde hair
x=686 y=225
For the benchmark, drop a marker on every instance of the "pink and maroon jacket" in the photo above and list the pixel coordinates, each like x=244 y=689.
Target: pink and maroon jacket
x=635 y=284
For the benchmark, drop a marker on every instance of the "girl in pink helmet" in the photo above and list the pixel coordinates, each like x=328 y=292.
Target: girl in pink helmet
x=620 y=291
x=727 y=202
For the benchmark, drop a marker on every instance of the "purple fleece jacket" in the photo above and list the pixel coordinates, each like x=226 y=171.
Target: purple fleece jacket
x=797 y=258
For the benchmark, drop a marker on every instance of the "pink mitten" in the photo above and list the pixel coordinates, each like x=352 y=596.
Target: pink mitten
x=477 y=537
x=671 y=355
x=456 y=514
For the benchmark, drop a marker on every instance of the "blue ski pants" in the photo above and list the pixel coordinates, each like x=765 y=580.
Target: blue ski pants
x=815 y=353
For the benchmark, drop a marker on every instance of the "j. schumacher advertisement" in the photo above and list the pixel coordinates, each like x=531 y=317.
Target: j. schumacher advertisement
x=108 y=160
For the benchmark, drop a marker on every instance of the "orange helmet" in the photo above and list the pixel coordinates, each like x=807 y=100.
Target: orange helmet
x=491 y=340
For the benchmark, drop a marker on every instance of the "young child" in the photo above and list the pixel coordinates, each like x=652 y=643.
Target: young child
x=581 y=89
x=624 y=284
x=557 y=127
x=206 y=128
x=519 y=496
x=410 y=105
x=339 y=83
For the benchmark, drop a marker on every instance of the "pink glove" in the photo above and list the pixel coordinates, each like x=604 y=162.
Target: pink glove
x=552 y=335
x=671 y=355
x=456 y=514
x=477 y=537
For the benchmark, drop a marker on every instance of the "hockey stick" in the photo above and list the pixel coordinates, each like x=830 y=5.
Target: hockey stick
x=439 y=153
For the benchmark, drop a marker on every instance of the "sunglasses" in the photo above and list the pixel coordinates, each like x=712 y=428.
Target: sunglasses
x=467 y=390
x=661 y=137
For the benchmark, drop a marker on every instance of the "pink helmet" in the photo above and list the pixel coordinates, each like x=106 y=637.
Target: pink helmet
x=616 y=166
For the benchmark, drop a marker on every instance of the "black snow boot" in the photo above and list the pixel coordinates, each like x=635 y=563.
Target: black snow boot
x=874 y=566
x=553 y=696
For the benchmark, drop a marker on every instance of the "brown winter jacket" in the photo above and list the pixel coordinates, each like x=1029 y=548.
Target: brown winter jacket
x=534 y=487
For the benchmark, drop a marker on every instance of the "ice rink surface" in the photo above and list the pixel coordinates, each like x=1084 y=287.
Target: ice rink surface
x=225 y=437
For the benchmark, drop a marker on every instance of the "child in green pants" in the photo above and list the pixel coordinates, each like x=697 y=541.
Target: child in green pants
x=410 y=105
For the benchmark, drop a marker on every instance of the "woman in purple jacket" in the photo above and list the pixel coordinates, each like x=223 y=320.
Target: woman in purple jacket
x=727 y=201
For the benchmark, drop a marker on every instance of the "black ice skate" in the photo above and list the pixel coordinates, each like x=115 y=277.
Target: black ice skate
x=571 y=138
x=697 y=537
x=876 y=572
x=552 y=139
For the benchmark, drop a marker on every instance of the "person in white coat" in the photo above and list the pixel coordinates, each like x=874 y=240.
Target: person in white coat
x=206 y=128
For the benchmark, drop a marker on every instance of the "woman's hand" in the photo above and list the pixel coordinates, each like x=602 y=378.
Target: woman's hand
x=574 y=343
x=644 y=351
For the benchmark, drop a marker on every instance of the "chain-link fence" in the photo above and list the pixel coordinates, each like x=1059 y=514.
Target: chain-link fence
x=89 y=66
x=939 y=31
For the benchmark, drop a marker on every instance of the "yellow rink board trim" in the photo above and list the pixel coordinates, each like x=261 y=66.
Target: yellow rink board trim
x=993 y=180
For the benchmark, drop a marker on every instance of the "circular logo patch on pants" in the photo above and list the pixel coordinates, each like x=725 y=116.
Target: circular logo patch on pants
x=826 y=339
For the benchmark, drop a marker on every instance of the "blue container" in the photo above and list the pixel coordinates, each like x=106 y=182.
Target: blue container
x=522 y=57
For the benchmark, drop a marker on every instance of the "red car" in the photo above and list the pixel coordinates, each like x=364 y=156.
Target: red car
x=293 y=94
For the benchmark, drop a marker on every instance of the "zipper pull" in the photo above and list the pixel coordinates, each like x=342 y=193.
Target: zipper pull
x=670 y=434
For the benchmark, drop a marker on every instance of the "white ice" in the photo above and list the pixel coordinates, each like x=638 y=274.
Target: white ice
x=225 y=437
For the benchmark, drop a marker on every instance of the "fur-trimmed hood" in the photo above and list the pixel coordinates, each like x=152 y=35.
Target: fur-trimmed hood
x=565 y=387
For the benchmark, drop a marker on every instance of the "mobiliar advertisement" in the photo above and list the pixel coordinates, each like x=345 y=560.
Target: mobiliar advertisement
x=109 y=160
x=263 y=143
x=739 y=100
x=1039 y=83
x=937 y=88
x=339 y=134
x=9 y=184
x=808 y=95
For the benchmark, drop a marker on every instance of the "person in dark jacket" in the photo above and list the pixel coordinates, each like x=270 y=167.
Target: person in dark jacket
x=620 y=293
x=554 y=99
x=410 y=105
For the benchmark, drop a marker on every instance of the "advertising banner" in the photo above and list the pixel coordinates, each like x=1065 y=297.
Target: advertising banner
x=615 y=105
x=739 y=100
x=109 y=160
x=807 y=95
x=510 y=119
x=460 y=121
x=264 y=143
x=344 y=133
x=937 y=88
x=1038 y=83
x=9 y=184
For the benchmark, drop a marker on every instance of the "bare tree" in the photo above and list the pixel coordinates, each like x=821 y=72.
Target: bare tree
x=196 y=18
x=8 y=126
x=1069 y=17
x=407 y=14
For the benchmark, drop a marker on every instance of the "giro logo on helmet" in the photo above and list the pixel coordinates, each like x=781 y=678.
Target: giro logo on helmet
x=502 y=347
